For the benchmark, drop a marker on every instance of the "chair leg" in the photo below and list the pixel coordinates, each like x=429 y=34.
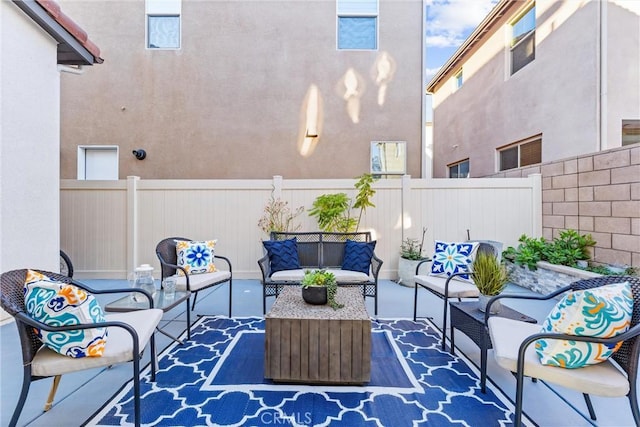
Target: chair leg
x=517 y=417
x=592 y=412
x=152 y=357
x=52 y=392
x=136 y=386
x=415 y=301
x=444 y=323
x=633 y=400
x=230 y=295
x=26 y=382
x=188 y=322
x=195 y=296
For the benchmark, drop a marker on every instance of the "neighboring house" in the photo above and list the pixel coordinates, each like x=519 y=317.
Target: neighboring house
x=38 y=42
x=246 y=89
x=538 y=81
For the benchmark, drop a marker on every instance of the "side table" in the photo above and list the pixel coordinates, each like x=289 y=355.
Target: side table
x=159 y=301
x=467 y=317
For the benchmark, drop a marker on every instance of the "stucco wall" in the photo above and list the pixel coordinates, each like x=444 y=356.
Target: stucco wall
x=29 y=145
x=557 y=95
x=30 y=221
x=231 y=102
x=597 y=194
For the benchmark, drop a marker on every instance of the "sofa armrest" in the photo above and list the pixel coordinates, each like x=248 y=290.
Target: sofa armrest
x=376 y=264
x=265 y=267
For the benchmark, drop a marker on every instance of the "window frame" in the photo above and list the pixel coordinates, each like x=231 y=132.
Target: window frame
x=354 y=14
x=631 y=129
x=499 y=151
x=530 y=36
x=162 y=9
x=457 y=165
x=458 y=80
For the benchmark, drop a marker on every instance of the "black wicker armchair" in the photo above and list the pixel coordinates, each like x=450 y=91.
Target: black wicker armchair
x=129 y=334
x=166 y=252
x=512 y=343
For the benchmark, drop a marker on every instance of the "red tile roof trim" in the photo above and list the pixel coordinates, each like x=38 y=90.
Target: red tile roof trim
x=53 y=9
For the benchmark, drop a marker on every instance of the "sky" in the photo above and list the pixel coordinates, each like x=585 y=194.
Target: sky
x=449 y=23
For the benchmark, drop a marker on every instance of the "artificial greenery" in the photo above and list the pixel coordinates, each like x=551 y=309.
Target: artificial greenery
x=489 y=275
x=411 y=249
x=277 y=216
x=333 y=211
x=569 y=247
x=326 y=279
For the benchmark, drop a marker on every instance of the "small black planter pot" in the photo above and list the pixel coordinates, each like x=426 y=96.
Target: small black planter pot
x=316 y=295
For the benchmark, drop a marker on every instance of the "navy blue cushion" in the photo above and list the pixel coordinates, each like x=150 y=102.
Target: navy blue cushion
x=283 y=254
x=357 y=256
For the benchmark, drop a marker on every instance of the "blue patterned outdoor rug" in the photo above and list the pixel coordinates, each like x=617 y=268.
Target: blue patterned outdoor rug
x=217 y=379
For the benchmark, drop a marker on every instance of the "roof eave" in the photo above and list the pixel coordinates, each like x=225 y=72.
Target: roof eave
x=70 y=50
x=496 y=13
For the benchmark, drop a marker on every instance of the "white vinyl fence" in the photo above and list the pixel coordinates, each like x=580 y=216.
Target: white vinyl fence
x=108 y=227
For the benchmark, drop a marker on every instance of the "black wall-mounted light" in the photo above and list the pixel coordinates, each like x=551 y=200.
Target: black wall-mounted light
x=140 y=154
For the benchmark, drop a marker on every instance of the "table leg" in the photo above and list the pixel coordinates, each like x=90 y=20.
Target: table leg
x=453 y=344
x=165 y=333
x=188 y=321
x=483 y=363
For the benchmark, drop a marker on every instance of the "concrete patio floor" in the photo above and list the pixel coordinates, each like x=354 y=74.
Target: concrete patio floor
x=81 y=394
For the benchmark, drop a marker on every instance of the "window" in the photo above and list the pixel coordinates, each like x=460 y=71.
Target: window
x=630 y=132
x=459 y=170
x=528 y=152
x=458 y=79
x=523 y=39
x=388 y=157
x=357 y=24
x=97 y=162
x=163 y=24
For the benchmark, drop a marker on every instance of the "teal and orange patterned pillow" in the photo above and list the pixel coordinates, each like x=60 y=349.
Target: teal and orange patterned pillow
x=57 y=304
x=196 y=257
x=453 y=257
x=599 y=312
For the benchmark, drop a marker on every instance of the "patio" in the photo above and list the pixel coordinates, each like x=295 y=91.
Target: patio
x=81 y=394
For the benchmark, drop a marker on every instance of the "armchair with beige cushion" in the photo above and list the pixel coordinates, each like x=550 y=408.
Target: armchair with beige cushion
x=451 y=285
x=166 y=250
x=590 y=309
x=126 y=335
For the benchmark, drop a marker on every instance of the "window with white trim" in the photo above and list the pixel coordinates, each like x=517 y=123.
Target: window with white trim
x=458 y=80
x=163 y=24
x=357 y=24
x=523 y=38
x=459 y=169
x=523 y=153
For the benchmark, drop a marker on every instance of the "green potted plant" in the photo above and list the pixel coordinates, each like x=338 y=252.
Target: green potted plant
x=320 y=287
x=490 y=276
x=333 y=211
x=410 y=256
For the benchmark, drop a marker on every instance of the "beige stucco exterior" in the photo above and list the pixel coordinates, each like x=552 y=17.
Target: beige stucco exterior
x=233 y=102
x=583 y=82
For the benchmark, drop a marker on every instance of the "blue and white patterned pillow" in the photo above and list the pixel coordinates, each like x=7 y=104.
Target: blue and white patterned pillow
x=57 y=304
x=196 y=257
x=453 y=257
x=599 y=312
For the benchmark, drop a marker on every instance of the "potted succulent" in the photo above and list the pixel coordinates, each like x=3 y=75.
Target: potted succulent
x=491 y=277
x=320 y=287
x=410 y=256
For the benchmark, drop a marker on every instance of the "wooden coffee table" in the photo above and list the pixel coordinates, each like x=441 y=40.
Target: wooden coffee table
x=315 y=344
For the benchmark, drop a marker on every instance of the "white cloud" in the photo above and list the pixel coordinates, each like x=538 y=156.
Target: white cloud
x=450 y=21
x=430 y=72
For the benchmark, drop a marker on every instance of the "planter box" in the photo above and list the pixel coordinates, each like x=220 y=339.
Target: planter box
x=547 y=278
x=407 y=270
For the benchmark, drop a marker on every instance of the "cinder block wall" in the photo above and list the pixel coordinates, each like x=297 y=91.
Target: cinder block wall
x=598 y=194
